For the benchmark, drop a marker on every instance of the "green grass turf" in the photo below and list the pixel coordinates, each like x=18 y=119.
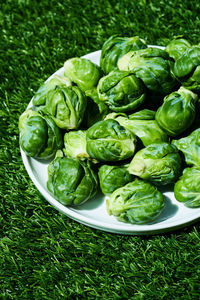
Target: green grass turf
x=44 y=254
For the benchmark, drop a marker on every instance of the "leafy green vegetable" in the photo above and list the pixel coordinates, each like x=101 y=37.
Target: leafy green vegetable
x=107 y=140
x=115 y=47
x=38 y=135
x=159 y=163
x=177 y=111
x=113 y=177
x=71 y=181
x=121 y=91
x=82 y=72
x=187 y=188
x=141 y=124
x=41 y=95
x=75 y=144
x=137 y=202
x=190 y=146
x=187 y=69
x=153 y=67
x=66 y=106
x=177 y=47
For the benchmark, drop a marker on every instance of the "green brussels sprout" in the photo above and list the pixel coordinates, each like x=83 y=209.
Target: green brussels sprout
x=107 y=140
x=41 y=95
x=115 y=47
x=96 y=110
x=113 y=177
x=187 y=188
x=121 y=91
x=71 y=181
x=177 y=47
x=153 y=67
x=137 y=202
x=141 y=124
x=75 y=144
x=177 y=112
x=190 y=147
x=187 y=69
x=159 y=163
x=82 y=72
x=39 y=136
x=66 y=106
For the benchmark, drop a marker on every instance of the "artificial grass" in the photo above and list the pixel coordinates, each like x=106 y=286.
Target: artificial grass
x=44 y=254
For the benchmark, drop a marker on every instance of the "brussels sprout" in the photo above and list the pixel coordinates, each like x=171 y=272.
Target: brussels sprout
x=41 y=95
x=66 y=106
x=121 y=91
x=71 y=181
x=137 y=202
x=159 y=163
x=115 y=47
x=75 y=144
x=107 y=140
x=190 y=146
x=152 y=66
x=82 y=72
x=141 y=124
x=177 y=111
x=96 y=110
x=187 y=69
x=39 y=136
x=177 y=47
x=187 y=188
x=113 y=177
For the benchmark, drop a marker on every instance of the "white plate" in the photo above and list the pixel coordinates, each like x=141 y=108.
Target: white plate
x=93 y=213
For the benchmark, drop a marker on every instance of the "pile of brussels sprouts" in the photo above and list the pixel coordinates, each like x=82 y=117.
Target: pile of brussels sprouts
x=126 y=128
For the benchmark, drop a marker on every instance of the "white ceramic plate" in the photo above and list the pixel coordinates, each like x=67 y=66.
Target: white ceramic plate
x=93 y=213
